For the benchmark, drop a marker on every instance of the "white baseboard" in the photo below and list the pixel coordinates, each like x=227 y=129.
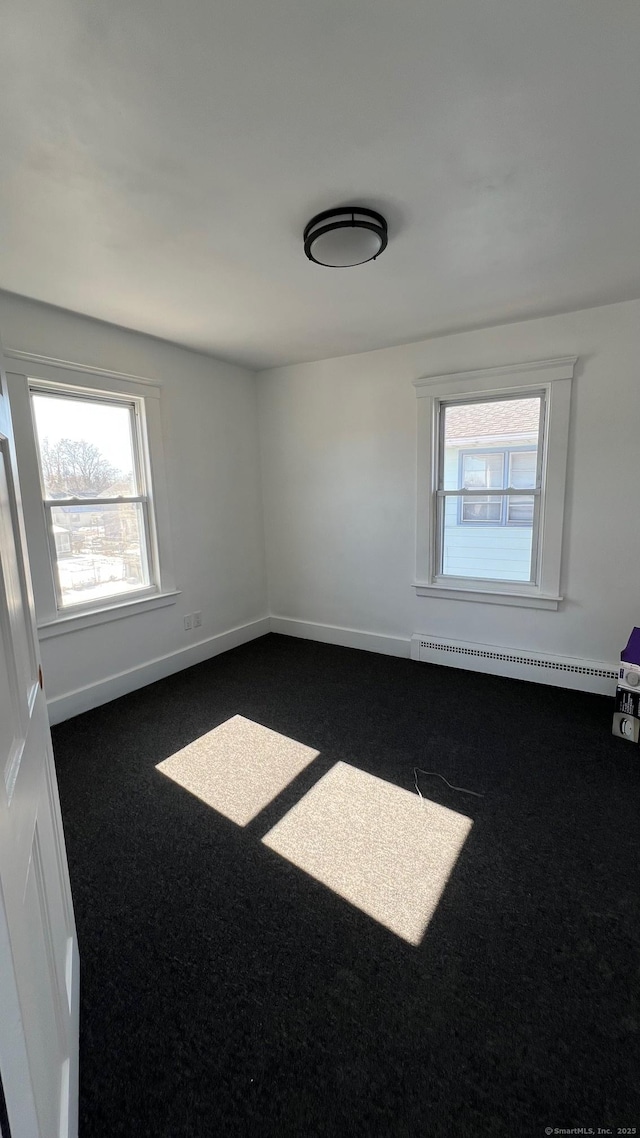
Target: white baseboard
x=346 y=637
x=92 y=695
x=587 y=675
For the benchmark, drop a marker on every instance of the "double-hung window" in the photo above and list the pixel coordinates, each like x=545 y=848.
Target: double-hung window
x=95 y=491
x=90 y=456
x=478 y=503
x=492 y=452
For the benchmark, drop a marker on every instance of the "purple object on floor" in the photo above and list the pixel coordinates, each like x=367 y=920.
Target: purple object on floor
x=631 y=654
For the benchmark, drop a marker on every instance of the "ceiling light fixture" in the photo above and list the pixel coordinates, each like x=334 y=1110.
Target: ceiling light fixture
x=340 y=238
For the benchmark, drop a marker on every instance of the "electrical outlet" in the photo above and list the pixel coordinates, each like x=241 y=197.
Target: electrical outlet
x=197 y=619
x=188 y=622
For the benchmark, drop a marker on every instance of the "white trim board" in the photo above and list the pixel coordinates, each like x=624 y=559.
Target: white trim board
x=559 y=368
x=346 y=637
x=538 y=667
x=75 y=622
x=498 y=660
x=73 y=365
x=72 y=703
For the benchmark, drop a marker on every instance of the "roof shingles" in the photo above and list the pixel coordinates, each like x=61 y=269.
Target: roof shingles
x=492 y=418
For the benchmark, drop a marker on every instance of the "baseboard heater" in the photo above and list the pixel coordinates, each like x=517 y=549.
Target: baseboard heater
x=539 y=667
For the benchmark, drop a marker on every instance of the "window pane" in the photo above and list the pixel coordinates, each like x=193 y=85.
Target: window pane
x=488 y=425
x=482 y=509
x=488 y=444
x=490 y=550
x=522 y=469
x=86 y=447
x=482 y=470
x=100 y=551
x=521 y=511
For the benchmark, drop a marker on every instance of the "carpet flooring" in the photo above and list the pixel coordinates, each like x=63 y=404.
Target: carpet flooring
x=226 y=991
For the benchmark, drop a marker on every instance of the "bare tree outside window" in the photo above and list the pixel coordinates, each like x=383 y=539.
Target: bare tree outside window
x=75 y=466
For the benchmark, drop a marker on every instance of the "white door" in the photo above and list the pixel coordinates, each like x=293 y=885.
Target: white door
x=38 y=947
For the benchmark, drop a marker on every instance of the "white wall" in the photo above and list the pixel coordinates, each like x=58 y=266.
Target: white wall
x=210 y=431
x=338 y=441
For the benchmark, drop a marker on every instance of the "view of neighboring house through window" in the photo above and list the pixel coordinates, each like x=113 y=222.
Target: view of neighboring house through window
x=95 y=495
x=489 y=487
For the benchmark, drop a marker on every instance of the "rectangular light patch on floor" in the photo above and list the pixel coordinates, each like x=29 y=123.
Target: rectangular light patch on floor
x=382 y=848
x=238 y=767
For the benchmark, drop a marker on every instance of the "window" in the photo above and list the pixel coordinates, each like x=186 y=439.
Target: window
x=486 y=471
x=94 y=489
x=492 y=462
x=94 y=495
x=522 y=476
x=473 y=527
x=489 y=470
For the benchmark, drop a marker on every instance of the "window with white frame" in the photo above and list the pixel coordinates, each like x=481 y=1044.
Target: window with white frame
x=90 y=456
x=477 y=500
x=492 y=465
x=95 y=493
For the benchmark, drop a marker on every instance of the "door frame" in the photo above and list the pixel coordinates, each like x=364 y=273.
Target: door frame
x=20 y=1113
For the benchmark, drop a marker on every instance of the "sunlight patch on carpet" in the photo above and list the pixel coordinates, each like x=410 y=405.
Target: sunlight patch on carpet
x=239 y=767
x=382 y=848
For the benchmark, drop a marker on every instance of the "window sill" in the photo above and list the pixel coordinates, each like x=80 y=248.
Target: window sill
x=487 y=596
x=75 y=622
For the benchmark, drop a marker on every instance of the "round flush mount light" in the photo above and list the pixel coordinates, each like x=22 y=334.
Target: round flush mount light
x=341 y=238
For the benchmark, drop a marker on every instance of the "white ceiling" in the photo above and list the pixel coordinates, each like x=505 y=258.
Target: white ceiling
x=159 y=159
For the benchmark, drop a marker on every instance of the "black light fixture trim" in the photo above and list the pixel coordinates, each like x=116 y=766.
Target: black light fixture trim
x=348 y=217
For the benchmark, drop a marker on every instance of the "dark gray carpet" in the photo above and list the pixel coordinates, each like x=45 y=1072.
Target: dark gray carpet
x=224 y=992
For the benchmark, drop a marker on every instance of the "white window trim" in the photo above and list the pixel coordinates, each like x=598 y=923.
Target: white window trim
x=554 y=378
x=39 y=371
x=74 y=622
